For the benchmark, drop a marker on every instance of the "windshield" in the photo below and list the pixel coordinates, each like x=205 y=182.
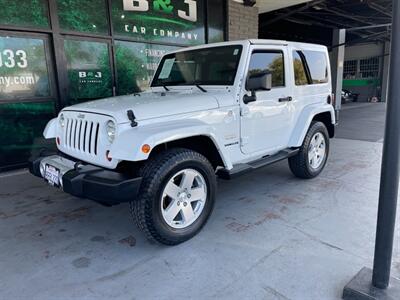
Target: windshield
x=209 y=66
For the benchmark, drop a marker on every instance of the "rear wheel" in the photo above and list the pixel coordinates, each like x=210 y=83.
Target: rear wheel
x=176 y=197
x=313 y=154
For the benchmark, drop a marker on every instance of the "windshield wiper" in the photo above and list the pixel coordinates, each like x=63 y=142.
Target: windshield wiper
x=165 y=87
x=200 y=88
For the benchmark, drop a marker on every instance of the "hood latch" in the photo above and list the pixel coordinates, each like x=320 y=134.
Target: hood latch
x=132 y=118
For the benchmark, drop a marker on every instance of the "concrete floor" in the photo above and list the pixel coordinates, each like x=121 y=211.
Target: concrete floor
x=271 y=236
x=362 y=121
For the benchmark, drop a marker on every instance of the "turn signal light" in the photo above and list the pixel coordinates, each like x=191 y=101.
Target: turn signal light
x=58 y=141
x=146 y=148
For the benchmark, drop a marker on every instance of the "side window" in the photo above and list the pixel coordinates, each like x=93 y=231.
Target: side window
x=318 y=66
x=269 y=61
x=310 y=67
x=300 y=74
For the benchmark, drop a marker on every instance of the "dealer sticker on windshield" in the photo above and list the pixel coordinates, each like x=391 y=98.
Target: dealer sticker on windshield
x=167 y=68
x=51 y=175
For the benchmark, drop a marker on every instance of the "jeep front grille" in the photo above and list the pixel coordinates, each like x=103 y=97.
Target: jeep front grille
x=81 y=135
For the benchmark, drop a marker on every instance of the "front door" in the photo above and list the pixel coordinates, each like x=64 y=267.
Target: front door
x=267 y=122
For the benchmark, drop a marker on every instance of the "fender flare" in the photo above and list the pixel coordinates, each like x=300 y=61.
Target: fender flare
x=128 y=144
x=50 y=131
x=304 y=121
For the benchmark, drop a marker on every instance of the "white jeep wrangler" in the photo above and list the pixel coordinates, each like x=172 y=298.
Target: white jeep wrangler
x=213 y=110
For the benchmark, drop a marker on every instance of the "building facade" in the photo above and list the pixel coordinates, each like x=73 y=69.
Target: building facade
x=55 y=53
x=366 y=68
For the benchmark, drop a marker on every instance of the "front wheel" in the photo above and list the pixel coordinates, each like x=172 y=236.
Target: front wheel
x=176 y=197
x=313 y=154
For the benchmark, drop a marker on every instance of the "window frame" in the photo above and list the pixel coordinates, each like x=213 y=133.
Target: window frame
x=305 y=66
x=106 y=35
x=27 y=28
x=232 y=83
x=368 y=66
x=110 y=49
x=254 y=51
x=350 y=64
x=49 y=59
x=309 y=70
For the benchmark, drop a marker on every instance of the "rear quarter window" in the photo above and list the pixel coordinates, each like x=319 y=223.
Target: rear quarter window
x=310 y=67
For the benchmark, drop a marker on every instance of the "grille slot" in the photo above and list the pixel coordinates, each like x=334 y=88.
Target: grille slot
x=90 y=137
x=96 y=138
x=82 y=135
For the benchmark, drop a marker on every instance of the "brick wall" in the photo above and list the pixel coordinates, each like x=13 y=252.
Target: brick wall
x=242 y=21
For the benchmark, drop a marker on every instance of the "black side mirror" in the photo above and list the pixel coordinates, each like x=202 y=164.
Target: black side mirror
x=257 y=82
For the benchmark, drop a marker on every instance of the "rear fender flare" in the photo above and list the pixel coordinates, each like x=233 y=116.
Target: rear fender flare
x=304 y=122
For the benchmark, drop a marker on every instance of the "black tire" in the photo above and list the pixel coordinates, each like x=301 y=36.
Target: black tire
x=146 y=209
x=299 y=164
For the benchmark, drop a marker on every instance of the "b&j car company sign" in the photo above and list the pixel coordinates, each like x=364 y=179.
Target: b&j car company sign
x=172 y=21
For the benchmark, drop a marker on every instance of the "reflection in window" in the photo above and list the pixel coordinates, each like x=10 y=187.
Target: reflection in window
x=269 y=62
x=28 y=13
x=23 y=68
x=216 y=21
x=300 y=74
x=83 y=16
x=318 y=66
x=89 y=72
x=136 y=64
x=208 y=66
x=21 y=127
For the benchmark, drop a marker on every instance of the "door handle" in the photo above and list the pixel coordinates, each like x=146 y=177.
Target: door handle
x=287 y=99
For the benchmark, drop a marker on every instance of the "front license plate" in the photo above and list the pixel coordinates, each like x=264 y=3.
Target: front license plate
x=51 y=175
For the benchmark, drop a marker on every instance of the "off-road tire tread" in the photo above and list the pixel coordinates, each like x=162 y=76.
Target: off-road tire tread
x=152 y=173
x=298 y=163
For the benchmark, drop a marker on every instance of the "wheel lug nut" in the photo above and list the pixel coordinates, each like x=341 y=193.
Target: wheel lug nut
x=189 y=195
x=184 y=204
x=179 y=203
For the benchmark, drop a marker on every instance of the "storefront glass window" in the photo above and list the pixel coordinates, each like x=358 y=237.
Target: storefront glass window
x=24 y=13
x=23 y=69
x=89 y=71
x=83 y=16
x=136 y=64
x=216 y=21
x=21 y=127
x=164 y=21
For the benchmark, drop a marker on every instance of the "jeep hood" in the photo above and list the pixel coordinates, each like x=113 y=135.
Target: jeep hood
x=149 y=105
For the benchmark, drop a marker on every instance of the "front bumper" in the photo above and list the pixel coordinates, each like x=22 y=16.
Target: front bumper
x=87 y=181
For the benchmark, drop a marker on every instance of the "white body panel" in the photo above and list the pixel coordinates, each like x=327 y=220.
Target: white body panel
x=267 y=117
x=241 y=132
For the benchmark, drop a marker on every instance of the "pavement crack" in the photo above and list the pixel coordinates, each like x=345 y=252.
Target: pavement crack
x=314 y=238
x=274 y=292
x=252 y=267
x=169 y=267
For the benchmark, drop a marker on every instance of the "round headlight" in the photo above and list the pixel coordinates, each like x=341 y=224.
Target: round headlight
x=110 y=129
x=61 y=119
